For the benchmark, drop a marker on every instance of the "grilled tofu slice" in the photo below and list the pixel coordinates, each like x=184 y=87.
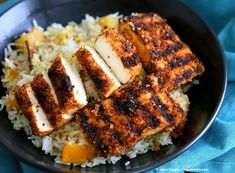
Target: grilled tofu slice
x=160 y=49
x=104 y=80
x=119 y=54
x=131 y=114
x=47 y=99
x=33 y=111
x=68 y=85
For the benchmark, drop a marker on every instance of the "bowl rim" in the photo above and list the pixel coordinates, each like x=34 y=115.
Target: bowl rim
x=175 y=154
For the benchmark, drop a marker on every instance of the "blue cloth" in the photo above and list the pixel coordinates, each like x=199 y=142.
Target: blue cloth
x=215 y=151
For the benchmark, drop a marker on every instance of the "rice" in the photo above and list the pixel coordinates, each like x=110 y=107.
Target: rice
x=127 y=163
x=47 y=144
x=64 y=40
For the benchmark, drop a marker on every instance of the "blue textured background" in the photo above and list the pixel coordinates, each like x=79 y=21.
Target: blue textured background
x=215 y=151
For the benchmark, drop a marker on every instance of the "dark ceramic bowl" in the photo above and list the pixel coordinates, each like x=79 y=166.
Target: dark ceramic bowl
x=205 y=98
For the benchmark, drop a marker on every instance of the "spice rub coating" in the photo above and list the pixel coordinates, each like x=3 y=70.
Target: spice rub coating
x=104 y=80
x=160 y=49
x=119 y=53
x=68 y=86
x=131 y=114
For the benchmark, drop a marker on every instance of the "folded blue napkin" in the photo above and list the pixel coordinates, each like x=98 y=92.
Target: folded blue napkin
x=215 y=151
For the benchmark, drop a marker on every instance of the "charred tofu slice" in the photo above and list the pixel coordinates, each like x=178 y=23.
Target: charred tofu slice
x=33 y=111
x=160 y=49
x=104 y=80
x=46 y=97
x=119 y=54
x=133 y=113
x=68 y=85
x=182 y=99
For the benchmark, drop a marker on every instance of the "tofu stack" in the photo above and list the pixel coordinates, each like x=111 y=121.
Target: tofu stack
x=119 y=54
x=50 y=100
x=104 y=80
x=133 y=113
x=160 y=49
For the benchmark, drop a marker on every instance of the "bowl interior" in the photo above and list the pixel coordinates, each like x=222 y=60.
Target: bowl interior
x=205 y=98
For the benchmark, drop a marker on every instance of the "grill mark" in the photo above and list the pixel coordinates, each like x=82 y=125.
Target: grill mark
x=162 y=108
x=161 y=23
x=132 y=128
x=116 y=137
x=95 y=133
x=170 y=49
x=178 y=79
x=150 y=120
x=162 y=81
x=139 y=131
x=98 y=81
x=117 y=105
x=127 y=107
x=146 y=114
x=91 y=103
x=179 y=61
x=83 y=117
x=66 y=84
x=145 y=84
x=101 y=146
x=131 y=107
x=153 y=121
x=41 y=96
x=130 y=93
x=198 y=69
x=157 y=54
x=167 y=35
x=142 y=26
x=146 y=40
x=128 y=47
x=102 y=114
x=187 y=74
x=130 y=61
x=119 y=137
x=91 y=131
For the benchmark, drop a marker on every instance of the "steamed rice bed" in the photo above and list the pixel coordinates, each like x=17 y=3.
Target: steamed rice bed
x=64 y=40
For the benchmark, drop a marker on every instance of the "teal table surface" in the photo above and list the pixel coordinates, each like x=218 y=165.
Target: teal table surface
x=215 y=151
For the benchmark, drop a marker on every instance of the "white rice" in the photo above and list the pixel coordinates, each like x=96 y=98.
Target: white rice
x=47 y=144
x=16 y=73
x=127 y=163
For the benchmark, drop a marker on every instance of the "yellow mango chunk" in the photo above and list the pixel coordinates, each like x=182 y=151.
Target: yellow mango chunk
x=34 y=38
x=108 y=21
x=67 y=32
x=60 y=38
x=77 y=153
x=78 y=39
x=11 y=103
